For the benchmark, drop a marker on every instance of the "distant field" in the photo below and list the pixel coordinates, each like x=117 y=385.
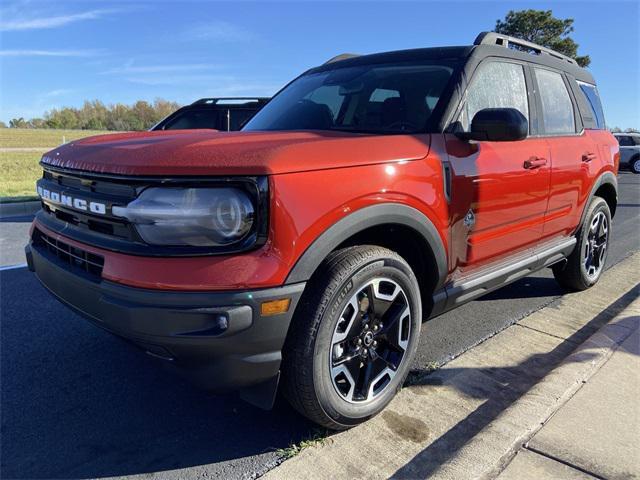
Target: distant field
x=31 y=138
x=19 y=170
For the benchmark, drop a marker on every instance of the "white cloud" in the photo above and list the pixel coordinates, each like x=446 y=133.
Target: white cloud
x=50 y=53
x=50 y=21
x=179 y=80
x=132 y=69
x=220 y=31
x=57 y=93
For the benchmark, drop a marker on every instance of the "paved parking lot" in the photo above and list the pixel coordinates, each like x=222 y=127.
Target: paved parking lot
x=78 y=402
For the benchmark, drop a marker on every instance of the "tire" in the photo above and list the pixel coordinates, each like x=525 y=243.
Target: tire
x=585 y=265
x=341 y=300
x=635 y=164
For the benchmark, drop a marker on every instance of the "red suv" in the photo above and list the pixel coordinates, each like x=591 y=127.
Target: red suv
x=370 y=194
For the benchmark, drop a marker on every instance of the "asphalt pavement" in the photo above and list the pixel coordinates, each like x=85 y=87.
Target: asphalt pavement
x=78 y=402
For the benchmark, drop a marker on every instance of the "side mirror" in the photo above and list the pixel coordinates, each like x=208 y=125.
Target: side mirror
x=497 y=125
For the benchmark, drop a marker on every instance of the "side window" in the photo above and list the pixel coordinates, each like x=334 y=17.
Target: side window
x=593 y=99
x=329 y=96
x=557 y=108
x=381 y=94
x=626 y=141
x=495 y=85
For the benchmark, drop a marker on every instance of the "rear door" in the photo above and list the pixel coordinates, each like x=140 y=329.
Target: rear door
x=499 y=190
x=575 y=155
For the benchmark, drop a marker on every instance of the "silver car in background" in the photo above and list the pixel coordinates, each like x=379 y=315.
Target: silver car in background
x=629 y=150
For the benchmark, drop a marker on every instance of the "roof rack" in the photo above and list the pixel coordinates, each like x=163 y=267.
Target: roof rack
x=213 y=101
x=342 y=56
x=493 y=38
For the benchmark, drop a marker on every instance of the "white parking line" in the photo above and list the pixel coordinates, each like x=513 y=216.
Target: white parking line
x=13 y=267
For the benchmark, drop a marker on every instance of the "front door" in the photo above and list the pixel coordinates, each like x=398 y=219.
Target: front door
x=499 y=190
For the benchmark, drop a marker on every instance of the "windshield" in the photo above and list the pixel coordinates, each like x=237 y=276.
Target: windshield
x=388 y=98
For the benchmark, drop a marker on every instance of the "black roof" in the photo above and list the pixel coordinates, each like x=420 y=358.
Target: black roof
x=415 y=54
x=487 y=44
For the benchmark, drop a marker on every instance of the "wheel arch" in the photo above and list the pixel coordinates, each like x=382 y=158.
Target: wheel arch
x=417 y=239
x=606 y=187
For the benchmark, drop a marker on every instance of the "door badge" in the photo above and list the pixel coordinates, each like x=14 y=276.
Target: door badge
x=469 y=219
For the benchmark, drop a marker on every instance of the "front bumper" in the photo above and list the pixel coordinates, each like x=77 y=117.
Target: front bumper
x=220 y=340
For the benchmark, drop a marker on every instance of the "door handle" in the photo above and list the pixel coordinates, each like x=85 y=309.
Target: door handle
x=534 y=162
x=587 y=157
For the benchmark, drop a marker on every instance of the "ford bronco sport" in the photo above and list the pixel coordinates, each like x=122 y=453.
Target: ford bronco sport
x=370 y=194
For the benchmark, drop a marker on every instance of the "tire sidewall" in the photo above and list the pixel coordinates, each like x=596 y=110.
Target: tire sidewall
x=334 y=406
x=635 y=168
x=598 y=205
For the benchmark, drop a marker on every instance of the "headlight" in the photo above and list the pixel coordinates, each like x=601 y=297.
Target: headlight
x=190 y=216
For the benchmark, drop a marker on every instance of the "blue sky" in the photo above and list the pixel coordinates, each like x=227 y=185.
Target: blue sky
x=60 y=53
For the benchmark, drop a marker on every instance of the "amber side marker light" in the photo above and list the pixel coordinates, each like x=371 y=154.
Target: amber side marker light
x=274 y=307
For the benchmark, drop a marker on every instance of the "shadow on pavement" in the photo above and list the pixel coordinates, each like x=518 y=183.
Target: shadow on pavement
x=77 y=402
x=528 y=287
x=517 y=381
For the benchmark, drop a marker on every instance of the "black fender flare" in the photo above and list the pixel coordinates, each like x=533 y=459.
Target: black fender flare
x=606 y=177
x=381 y=214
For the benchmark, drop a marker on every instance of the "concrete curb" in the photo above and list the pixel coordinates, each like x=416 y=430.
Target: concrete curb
x=575 y=371
x=469 y=418
x=19 y=209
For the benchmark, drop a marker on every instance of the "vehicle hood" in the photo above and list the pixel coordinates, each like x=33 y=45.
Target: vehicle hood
x=205 y=152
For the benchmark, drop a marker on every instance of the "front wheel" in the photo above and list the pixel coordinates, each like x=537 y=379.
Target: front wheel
x=586 y=263
x=353 y=337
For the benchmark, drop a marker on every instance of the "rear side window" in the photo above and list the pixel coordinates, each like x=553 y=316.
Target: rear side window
x=496 y=85
x=189 y=119
x=557 y=108
x=593 y=99
x=626 y=141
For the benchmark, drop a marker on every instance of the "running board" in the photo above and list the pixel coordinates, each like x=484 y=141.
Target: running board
x=464 y=290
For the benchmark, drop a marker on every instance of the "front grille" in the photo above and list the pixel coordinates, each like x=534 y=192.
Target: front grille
x=76 y=258
x=107 y=192
x=80 y=204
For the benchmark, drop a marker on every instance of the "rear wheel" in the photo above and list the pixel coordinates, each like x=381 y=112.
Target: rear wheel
x=353 y=338
x=586 y=263
x=635 y=165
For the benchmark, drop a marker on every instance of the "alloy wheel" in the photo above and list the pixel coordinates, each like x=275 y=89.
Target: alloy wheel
x=595 y=246
x=370 y=340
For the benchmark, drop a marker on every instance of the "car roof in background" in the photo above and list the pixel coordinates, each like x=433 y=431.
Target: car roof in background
x=230 y=101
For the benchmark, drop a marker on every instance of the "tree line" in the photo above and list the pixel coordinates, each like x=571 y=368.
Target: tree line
x=95 y=115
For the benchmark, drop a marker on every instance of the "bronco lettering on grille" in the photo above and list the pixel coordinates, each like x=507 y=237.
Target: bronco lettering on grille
x=75 y=203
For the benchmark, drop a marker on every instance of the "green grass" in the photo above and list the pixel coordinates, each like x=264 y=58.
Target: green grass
x=42 y=138
x=19 y=170
x=317 y=438
x=18 y=173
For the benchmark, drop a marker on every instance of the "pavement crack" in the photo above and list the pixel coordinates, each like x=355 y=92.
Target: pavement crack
x=547 y=333
x=563 y=462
